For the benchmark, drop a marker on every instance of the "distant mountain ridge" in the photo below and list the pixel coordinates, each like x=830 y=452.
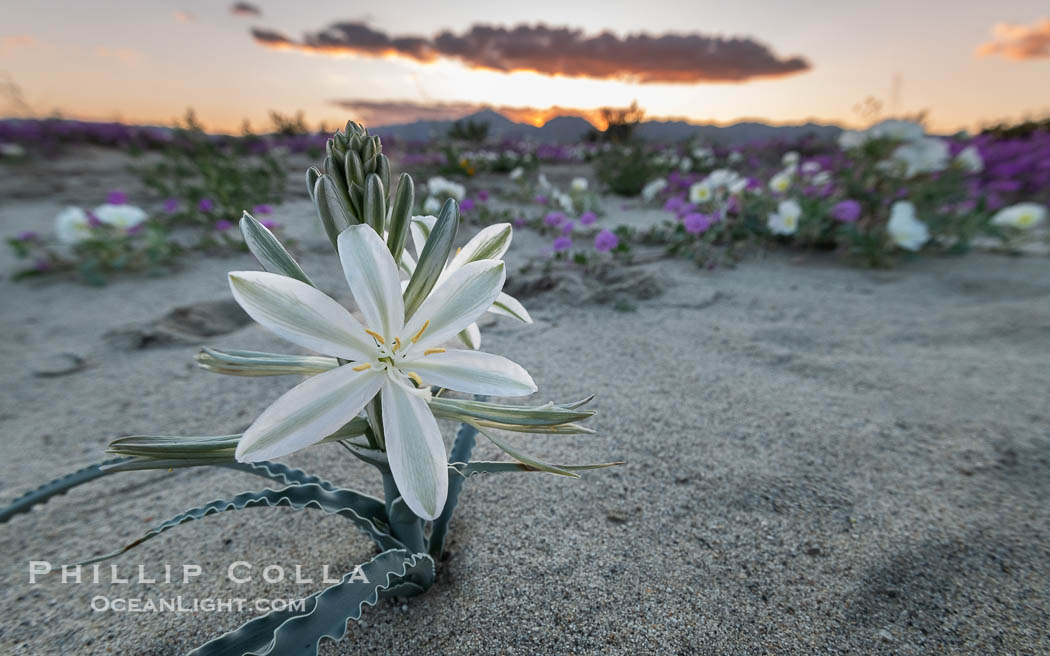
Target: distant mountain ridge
x=570 y=129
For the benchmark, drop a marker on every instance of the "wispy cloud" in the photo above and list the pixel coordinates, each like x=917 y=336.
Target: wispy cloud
x=390 y=112
x=245 y=9
x=1018 y=42
x=668 y=58
x=128 y=56
x=9 y=44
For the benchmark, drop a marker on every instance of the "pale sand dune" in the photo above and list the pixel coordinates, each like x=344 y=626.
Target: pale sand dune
x=820 y=459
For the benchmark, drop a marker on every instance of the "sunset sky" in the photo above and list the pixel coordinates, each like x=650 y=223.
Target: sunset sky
x=964 y=62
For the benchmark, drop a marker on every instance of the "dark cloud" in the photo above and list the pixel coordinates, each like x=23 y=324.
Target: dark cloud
x=245 y=9
x=675 y=58
x=1018 y=42
x=271 y=39
x=390 y=112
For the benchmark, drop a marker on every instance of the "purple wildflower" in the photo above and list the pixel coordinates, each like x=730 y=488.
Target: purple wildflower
x=696 y=223
x=171 y=205
x=466 y=205
x=206 y=205
x=846 y=211
x=28 y=235
x=42 y=264
x=262 y=209
x=483 y=195
x=554 y=218
x=562 y=244
x=519 y=222
x=223 y=225
x=605 y=241
x=116 y=197
x=93 y=220
x=566 y=229
x=270 y=224
x=541 y=199
x=674 y=203
x=587 y=218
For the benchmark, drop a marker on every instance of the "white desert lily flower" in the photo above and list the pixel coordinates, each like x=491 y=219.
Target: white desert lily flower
x=444 y=188
x=431 y=205
x=785 y=220
x=564 y=200
x=700 y=192
x=925 y=155
x=852 y=139
x=395 y=358
x=897 y=130
x=780 y=182
x=579 y=184
x=489 y=244
x=1021 y=215
x=652 y=188
x=121 y=216
x=970 y=160
x=907 y=231
x=72 y=225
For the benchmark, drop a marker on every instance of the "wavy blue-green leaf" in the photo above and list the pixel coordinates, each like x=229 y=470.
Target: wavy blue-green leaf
x=56 y=487
x=325 y=614
x=345 y=503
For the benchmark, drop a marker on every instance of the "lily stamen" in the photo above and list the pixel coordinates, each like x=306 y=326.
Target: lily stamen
x=415 y=377
x=376 y=336
x=432 y=351
x=397 y=344
x=362 y=367
x=415 y=338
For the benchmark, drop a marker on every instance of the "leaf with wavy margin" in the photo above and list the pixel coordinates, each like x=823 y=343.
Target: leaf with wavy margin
x=299 y=632
x=345 y=503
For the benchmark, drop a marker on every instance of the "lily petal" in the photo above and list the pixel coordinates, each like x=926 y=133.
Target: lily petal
x=508 y=306
x=471 y=336
x=489 y=244
x=415 y=450
x=458 y=302
x=473 y=372
x=372 y=275
x=420 y=229
x=301 y=314
x=308 y=413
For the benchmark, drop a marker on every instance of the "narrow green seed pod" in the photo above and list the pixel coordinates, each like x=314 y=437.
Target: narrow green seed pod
x=433 y=258
x=383 y=171
x=401 y=216
x=335 y=215
x=374 y=209
x=312 y=174
x=355 y=170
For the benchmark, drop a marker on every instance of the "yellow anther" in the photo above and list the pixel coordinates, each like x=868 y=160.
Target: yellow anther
x=415 y=338
x=414 y=376
x=397 y=344
x=377 y=336
x=433 y=351
x=458 y=250
x=362 y=367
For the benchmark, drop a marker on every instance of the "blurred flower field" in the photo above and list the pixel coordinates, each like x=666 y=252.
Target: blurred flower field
x=875 y=196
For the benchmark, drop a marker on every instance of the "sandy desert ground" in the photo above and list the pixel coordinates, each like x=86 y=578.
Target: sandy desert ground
x=821 y=459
